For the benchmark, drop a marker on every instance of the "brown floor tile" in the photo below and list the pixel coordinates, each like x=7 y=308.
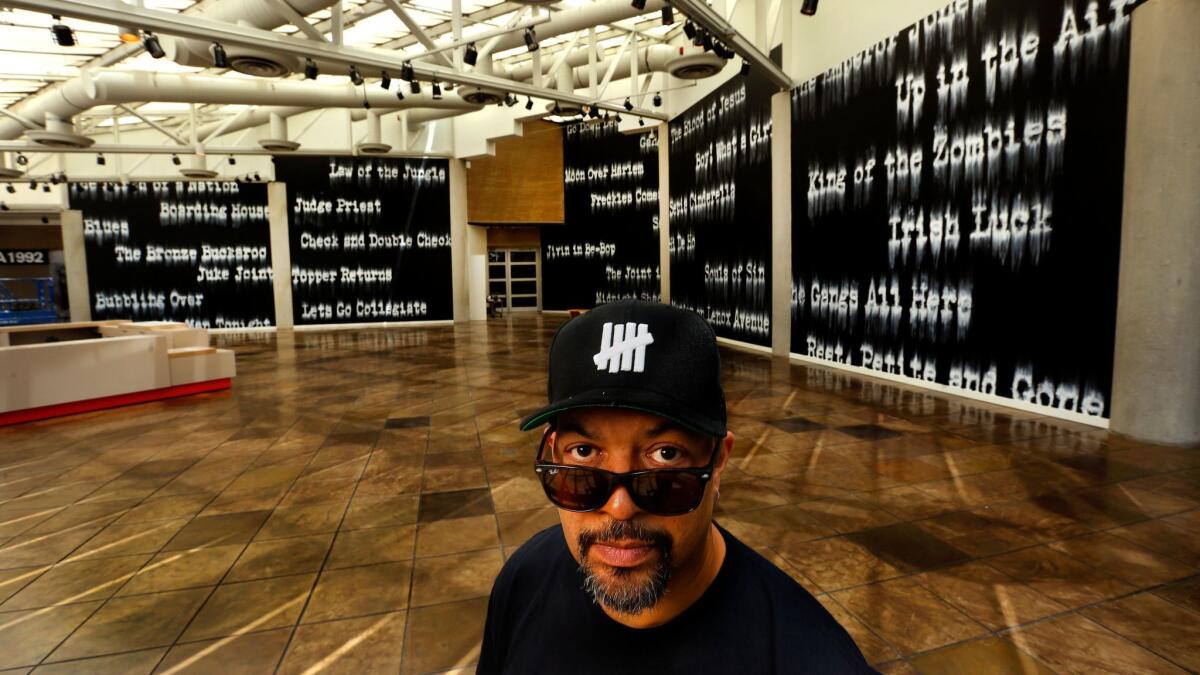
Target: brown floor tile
x=130 y=663
x=873 y=648
x=132 y=623
x=458 y=504
x=988 y=596
x=1164 y=538
x=453 y=471
x=456 y=536
x=174 y=570
x=977 y=532
x=247 y=654
x=380 y=512
x=846 y=514
x=13 y=580
x=455 y=577
x=908 y=616
x=1184 y=593
x=122 y=538
x=44 y=549
x=516 y=527
x=746 y=495
x=516 y=493
x=989 y=656
x=369 y=644
x=281 y=557
x=907 y=547
x=295 y=521
x=1123 y=559
x=837 y=563
x=166 y=508
x=356 y=591
x=1059 y=576
x=251 y=606
x=27 y=637
x=775 y=527
x=444 y=637
x=374 y=545
x=219 y=530
x=1073 y=644
x=72 y=582
x=1160 y=626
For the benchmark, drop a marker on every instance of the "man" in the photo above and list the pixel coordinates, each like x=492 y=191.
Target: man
x=638 y=578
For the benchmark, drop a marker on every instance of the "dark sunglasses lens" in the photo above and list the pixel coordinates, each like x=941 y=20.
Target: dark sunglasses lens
x=668 y=492
x=576 y=489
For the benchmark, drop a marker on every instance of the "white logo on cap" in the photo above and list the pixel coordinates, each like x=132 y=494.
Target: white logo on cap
x=623 y=347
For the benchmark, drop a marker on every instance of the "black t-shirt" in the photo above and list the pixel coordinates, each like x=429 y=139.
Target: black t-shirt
x=752 y=619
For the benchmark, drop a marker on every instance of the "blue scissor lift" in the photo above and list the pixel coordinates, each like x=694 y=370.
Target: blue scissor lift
x=28 y=301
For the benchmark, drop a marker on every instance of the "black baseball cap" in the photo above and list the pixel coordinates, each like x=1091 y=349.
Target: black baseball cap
x=638 y=355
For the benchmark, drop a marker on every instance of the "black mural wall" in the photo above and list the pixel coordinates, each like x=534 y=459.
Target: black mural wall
x=957 y=201
x=369 y=239
x=720 y=209
x=193 y=251
x=607 y=247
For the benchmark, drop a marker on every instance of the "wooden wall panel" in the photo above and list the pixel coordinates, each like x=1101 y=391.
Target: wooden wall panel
x=522 y=183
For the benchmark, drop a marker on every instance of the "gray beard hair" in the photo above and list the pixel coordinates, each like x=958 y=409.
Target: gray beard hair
x=627 y=599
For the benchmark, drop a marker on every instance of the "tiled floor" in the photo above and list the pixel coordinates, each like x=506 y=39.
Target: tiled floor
x=345 y=507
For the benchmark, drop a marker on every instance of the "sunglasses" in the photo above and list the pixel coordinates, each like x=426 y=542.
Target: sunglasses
x=662 y=492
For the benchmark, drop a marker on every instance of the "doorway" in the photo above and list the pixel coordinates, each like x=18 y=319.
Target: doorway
x=514 y=279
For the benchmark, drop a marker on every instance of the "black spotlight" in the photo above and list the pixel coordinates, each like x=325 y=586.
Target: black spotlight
x=745 y=67
x=45 y=188
x=689 y=29
x=668 y=15
x=529 y=103
x=437 y=91
x=310 y=70
x=531 y=40
x=257 y=177
x=657 y=100
x=385 y=80
x=639 y=5
x=628 y=104
x=3 y=206
x=100 y=160
x=45 y=220
x=594 y=113
x=618 y=118
x=415 y=86
x=809 y=7
x=399 y=94
x=510 y=100
x=471 y=55
x=150 y=42
x=406 y=72
x=63 y=35
x=220 y=59
x=175 y=160
x=706 y=41
x=355 y=76
x=33 y=185
x=557 y=108
x=22 y=159
x=641 y=122
x=232 y=161
x=11 y=190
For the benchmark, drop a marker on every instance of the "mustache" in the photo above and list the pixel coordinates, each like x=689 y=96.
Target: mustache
x=625 y=529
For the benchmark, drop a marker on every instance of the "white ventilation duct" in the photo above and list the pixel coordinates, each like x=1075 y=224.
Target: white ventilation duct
x=373 y=145
x=685 y=62
x=263 y=14
x=278 y=138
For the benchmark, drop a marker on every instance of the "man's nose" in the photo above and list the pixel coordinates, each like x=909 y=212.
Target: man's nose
x=620 y=504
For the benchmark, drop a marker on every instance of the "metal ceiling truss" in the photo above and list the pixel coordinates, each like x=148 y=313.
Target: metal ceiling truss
x=200 y=28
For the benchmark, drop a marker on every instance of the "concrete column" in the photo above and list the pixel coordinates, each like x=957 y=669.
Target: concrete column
x=79 y=297
x=1156 y=369
x=477 y=271
x=458 y=240
x=281 y=253
x=781 y=223
x=664 y=212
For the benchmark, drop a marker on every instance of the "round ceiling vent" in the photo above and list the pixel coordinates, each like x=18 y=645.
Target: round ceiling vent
x=197 y=172
x=373 y=148
x=696 y=66
x=482 y=97
x=565 y=109
x=58 y=139
x=278 y=144
x=258 y=66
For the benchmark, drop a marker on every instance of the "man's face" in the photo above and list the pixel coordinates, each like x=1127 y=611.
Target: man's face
x=628 y=555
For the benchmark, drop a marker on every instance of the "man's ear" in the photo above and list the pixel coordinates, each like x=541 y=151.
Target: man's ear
x=726 y=451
